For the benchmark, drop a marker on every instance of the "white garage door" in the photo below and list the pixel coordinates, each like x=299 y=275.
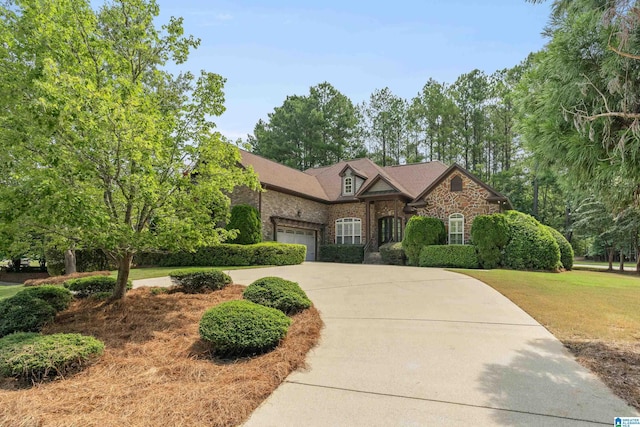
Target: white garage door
x=300 y=236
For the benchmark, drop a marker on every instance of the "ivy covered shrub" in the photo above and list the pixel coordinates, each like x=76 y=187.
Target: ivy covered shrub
x=56 y=296
x=453 y=256
x=531 y=246
x=238 y=328
x=199 y=281
x=490 y=234
x=245 y=219
x=34 y=357
x=348 y=254
x=422 y=231
x=87 y=286
x=24 y=313
x=393 y=254
x=566 y=250
x=281 y=294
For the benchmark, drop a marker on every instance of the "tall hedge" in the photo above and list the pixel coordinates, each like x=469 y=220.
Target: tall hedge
x=422 y=231
x=245 y=219
x=566 y=250
x=531 y=246
x=490 y=234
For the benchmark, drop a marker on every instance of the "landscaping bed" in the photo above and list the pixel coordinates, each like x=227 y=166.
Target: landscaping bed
x=155 y=369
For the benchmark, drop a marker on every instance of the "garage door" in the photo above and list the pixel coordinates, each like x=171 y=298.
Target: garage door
x=300 y=236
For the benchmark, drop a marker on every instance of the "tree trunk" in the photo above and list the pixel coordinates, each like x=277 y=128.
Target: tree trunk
x=124 y=267
x=621 y=260
x=534 y=208
x=611 y=253
x=69 y=261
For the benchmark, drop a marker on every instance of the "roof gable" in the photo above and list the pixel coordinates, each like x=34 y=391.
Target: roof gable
x=380 y=185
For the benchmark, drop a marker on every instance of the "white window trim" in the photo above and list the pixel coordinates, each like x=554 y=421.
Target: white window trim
x=347 y=181
x=456 y=218
x=356 y=231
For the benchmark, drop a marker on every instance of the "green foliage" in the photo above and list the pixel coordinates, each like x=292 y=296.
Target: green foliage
x=87 y=286
x=238 y=328
x=245 y=219
x=422 y=231
x=281 y=294
x=56 y=296
x=24 y=313
x=392 y=253
x=566 y=250
x=456 y=256
x=490 y=234
x=55 y=261
x=531 y=245
x=350 y=254
x=35 y=357
x=199 y=281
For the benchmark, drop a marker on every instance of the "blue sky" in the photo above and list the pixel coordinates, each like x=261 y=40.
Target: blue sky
x=268 y=50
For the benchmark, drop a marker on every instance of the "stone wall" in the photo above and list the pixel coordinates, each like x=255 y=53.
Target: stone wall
x=344 y=210
x=471 y=202
x=284 y=205
x=244 y=196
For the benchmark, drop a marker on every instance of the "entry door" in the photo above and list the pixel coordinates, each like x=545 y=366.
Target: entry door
x=386 y=230
x=299 y=236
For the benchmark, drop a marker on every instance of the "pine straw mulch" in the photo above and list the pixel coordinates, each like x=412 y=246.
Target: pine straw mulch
x=59 y=280
x=616 y=363
x=155 y=370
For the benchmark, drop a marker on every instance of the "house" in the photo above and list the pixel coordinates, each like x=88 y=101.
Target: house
x=359 y=202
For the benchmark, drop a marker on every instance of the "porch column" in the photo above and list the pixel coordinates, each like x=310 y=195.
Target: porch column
x=367 y=223
x=394 y=233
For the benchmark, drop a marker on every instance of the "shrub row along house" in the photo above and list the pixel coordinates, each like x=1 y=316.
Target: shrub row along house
x=359 y=202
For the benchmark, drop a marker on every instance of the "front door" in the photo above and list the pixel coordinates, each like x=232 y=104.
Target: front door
x=386 y=230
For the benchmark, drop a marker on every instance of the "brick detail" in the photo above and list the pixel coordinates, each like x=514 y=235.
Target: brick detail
x=284 y=205
x=344 y=210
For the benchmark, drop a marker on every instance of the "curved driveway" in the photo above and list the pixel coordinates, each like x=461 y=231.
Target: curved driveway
x=406 y=346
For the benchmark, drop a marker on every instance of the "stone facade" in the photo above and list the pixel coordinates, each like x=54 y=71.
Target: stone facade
x=470 y=202
x=343 y=210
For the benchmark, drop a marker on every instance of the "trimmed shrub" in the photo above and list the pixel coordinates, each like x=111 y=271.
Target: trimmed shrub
x=281 y=294
x=531 y=246
x=456 y=256
x=35 y=357
x=422 y=231
x=24 y=313
x=490 y=234
x=566 y=250
x=199 y=281
x=245 y=219
x=273 y=253
x=392 y=253
x=58 y=297
x=237 y=328
x=87 y=286
x=349 y=254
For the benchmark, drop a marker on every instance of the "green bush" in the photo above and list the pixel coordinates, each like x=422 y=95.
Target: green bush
x=87 y=286
x=277 y=293
x=273 y=253
x=454 y=256
x=422 y=231
x=566 y=250
x=35 y=357
x=56 y=296
x=24 y=313
x=199 y=281
x=350 y=254
x=490 y=234
x=93 y=260
x=55 y=261
x=237 y=328
x=531 y=246
x=393 y=254
x=245 y=219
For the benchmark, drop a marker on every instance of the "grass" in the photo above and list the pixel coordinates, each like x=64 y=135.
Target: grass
x=594 y=313
x=9 y=290
x=155 y=369
x=152 y=272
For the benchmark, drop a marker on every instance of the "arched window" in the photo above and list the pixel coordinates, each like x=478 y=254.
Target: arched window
x=456 y=183
x=348 y=231
x=347 y=185
x=456 y=229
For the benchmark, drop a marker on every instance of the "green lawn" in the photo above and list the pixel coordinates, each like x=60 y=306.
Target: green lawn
x=9 y=290
x=575 y=304
x=151 y=272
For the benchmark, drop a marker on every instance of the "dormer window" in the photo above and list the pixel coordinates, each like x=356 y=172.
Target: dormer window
x=347 y=186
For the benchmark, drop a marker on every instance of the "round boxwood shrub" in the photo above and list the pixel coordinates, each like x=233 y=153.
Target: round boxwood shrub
x=566 y=250
x=490 y=234
x=201 y=280
x=281 y=294
x=24 y=313
x=87 y=286
x=422 y=231
x=35 y=357
x=57 y=296
x=238 y=328
x=245 y=219
x=392 y=253
x=531 y=246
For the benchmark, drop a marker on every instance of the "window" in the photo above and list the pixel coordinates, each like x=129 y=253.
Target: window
x=456 y=229
x=348 y=231
x=456 y=183
x=347 y=185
